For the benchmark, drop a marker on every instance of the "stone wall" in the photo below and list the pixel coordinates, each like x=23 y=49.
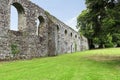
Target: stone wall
x=51 y=37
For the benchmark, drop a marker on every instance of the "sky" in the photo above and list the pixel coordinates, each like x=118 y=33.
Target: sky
x=65 y=10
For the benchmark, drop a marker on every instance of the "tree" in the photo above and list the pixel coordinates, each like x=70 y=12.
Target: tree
x=99 y=20
x=85 y=26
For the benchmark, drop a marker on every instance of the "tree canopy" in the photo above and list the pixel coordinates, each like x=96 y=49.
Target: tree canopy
x=100 y=23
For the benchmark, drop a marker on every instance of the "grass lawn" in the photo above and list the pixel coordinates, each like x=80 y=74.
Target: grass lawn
x=101 y=64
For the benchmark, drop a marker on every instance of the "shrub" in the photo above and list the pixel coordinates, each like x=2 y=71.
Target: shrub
x=14 y=49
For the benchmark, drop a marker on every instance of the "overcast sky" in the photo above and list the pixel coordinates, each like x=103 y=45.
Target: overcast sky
x=65 y=10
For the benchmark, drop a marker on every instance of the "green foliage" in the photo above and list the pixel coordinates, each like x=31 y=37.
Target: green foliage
x=100 y=19
x=96 y=40
x=84 y=27
x=108 y=41
x=14 y=49
x=108 y=22
x=116 y=39
x=47 y=13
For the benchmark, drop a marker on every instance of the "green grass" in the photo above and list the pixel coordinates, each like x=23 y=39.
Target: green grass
x=87 y=65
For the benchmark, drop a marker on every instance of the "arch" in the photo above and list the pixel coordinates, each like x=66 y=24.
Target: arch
x=19 y=7
x=40 y=23
x=71 y=34
x=65 y=32
x=75 y=36
x=20 y=17
x=58 y=28
x=13 y=19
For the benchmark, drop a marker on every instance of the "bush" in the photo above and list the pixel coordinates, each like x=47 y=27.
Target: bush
x=108 y=45
x=14 y=49
x=108 y=42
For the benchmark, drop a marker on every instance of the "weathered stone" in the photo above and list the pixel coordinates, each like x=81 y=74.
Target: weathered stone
x=52 y=37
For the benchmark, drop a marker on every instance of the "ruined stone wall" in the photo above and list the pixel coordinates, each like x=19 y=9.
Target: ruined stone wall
x=52 y=37
x=84 y=44
x=66 y=39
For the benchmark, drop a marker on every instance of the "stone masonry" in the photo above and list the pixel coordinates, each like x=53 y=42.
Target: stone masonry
x=51 y=37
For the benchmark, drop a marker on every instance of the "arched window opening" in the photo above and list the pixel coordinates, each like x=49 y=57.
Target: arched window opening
x=65 y=32
x=14 y=19
x=58 y=28
x=17 y=17
x=71 y=34
x=75 y=36
x=40 y=23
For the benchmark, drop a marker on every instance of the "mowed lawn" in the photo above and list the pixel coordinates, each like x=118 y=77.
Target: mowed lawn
x=103 y=64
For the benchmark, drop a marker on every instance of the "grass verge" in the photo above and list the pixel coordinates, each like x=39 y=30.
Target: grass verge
x=103 y=64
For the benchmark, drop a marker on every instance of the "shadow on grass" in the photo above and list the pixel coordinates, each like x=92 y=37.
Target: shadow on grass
x=105 y=61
